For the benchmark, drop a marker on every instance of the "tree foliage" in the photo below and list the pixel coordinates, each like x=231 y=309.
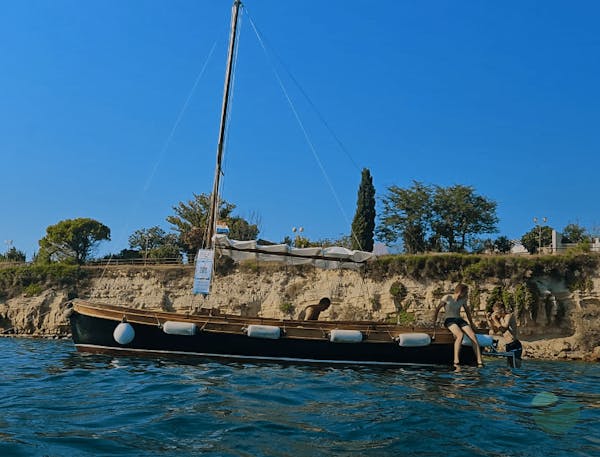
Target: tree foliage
x=406 y=215
x=574 y=233
x=503 y=245
x=459 y=214
x=12 y=255
x=536 y=237
x=363 y=224
x=191 y=220
x=146 y=240
x=436 y=218
x=72 y=240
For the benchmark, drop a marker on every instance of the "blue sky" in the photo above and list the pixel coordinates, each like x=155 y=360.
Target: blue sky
x=502 y=96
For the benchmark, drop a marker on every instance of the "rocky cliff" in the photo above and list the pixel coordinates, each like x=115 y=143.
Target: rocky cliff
x=566 y=324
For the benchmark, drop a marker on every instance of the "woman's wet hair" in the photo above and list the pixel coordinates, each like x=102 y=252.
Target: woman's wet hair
x=461 y=288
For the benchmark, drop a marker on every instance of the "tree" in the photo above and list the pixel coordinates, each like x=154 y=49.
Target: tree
x=153 y=239
x=537 y=236
x=72 y=240
x=436 y=218
x=503 y=245
x=459 y=214
x=363 y=224
x=406 y=214
x=12 y=255
x=574 y=233
x=191 y=220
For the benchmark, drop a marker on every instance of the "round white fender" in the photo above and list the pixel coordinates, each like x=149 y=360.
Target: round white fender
x=179 y=328
x=483 y=340
x=124 y=333
x=269 y=332
x=345 y=336
x=413 y=340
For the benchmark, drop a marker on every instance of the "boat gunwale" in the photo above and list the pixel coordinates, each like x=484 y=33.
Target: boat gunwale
x=292 y=329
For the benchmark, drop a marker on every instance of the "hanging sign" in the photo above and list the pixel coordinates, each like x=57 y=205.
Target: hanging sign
x=203 y=273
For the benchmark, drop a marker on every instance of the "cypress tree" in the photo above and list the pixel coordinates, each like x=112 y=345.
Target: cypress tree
x=363 y=224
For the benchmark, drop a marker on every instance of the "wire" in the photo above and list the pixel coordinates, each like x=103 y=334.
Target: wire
x=299 y=121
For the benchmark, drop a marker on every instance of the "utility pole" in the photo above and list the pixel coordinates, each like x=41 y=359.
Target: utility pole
x=535 y=221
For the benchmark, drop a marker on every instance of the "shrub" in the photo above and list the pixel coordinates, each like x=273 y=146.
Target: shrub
x=474 y=298
x=403 y=318
x=15 y=280
x=33 y=290
x=519 y=300
x=494 y=297
x=508 y=299
x=531 y=300
x=472 y=267
x=398 y=292
x=287 y=308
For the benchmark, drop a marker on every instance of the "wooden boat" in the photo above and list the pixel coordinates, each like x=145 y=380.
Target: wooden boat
x=112 y=329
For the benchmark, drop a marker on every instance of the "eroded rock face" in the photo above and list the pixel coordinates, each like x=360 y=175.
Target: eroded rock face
x=284 y=294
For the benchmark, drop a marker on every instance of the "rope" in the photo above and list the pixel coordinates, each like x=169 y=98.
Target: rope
x=166 y=145
x=300 y=123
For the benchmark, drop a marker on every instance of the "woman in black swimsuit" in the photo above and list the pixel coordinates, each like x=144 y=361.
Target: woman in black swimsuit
x=456 y=324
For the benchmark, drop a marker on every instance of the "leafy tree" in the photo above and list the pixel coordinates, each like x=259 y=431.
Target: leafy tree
x=406 y=214
x=503 y=245
x=72 y=240
x=125 y=254
x=459 y=214
x=12 y=255
x=363 y=224
x=241 y=229
x=148 y=240
x=166 y=251
x=191 y=220
x=536 y=236
x=574 y=233
x=449 y=218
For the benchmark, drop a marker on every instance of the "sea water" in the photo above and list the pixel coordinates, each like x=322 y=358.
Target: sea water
x=57 y=402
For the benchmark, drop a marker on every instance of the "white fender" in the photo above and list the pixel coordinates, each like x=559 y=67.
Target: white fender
x=413 y=340
x=345 y=336
x=179 y=328
x=483 y=340
x=269 y=332
x=124 y=333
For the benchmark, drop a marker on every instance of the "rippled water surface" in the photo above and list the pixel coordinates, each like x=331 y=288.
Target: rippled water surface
x=56 y=402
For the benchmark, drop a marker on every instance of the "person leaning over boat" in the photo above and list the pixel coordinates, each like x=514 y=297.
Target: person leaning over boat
x=456 y=324
x=501 y=321
x=312 y=312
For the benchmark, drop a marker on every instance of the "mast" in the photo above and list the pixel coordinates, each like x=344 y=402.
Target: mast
x=214 y=204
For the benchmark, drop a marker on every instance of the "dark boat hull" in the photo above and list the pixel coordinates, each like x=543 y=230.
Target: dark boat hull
x=95 y=334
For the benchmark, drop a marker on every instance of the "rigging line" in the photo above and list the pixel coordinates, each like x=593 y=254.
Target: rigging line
x=300 y=123
x=312 y=105
x=179 y=117
x=167 y=143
